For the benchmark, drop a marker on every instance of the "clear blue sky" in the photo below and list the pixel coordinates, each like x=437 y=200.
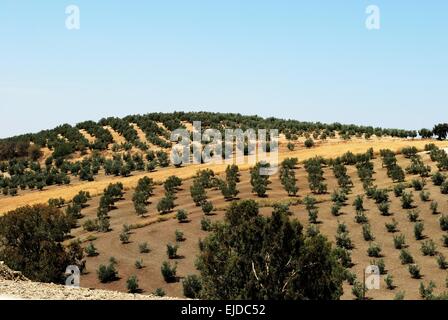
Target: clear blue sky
x=312 y=60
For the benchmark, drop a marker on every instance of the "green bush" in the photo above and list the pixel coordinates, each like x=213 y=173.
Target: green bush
x=418 y=230
x=124 y=237
x=367 y=232
x=159 y=292
x=143 y=247
x=207 y=207
x=206 y=224
x=392 y=226
x=91 y=250
x=107 y=273
x=427 y=292
x=169 y=272
x=359 y=290
x=179 y=236
x=90 y=225
x=309 y=143
x=374 y=250
x=384 y=208
x=441 y=261
x=443 y=221
x=343 y=241
x=413 y=215
x=192 y=286
x=445 y=240
x=428 y=248
x=313 y=216
x=424 y=196
x=171 y=251
x=399 y=295
x=414 y=270
x=182 y=216
x=399 y=241
x=407 y=200
x=380 y=264
x=132 y=284
x=434 y=207
x=336 y=209
x=358 y=203
x=389 y=280
x=398 y=189
x=417 y=184
x=406 y=257
x=139 y=264
x=360 y=217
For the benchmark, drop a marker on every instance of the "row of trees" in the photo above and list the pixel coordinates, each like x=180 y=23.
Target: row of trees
x=144 y=189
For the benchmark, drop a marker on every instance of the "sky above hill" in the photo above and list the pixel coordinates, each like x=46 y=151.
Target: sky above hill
x=313 y=61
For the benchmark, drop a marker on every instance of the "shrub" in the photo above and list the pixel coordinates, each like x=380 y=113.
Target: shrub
x=309 y=143
x=132 y=284
x=445 y=240
x=424 y=195
x=168 y=272
x=444 y=187
x=192 y=286
x=384 y=208
x=374 y=250
x=399 y=295
x=90 y=225
x=407 y=200
x=413 y=215
x=206 y=224
x=389 y=280
x=434 y=207
x=392 y=226
x=359 y=290
x=107 y=273
x=179 y=236
x=124 y=237
x=159 y=292
x=380 y=264
x=350 y=277
x=171 y=251
x=360 y=217
x=103 y=224
x=417 y=184
x=336 y=209
x=344 y=256
x=313 y=215
x=428 y=248
x=399 y=241
x=418 y=230
x=358 y=203
x=367 y=233
x=414 y=270
x=443 y=221
x=438 y=178
x=398 y=189
x=91 y=250
x=182 y=216
x=207 y=207
x=310 y=202
x=259 y=181
x=138 y=264
x=406 y=257
x=427 y=292
x=143 y=247
x=441 y=261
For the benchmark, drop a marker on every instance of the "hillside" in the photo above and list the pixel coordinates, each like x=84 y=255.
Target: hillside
x=352 y=163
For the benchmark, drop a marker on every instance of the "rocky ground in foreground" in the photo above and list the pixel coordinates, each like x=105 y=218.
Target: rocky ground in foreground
x=13 y=285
